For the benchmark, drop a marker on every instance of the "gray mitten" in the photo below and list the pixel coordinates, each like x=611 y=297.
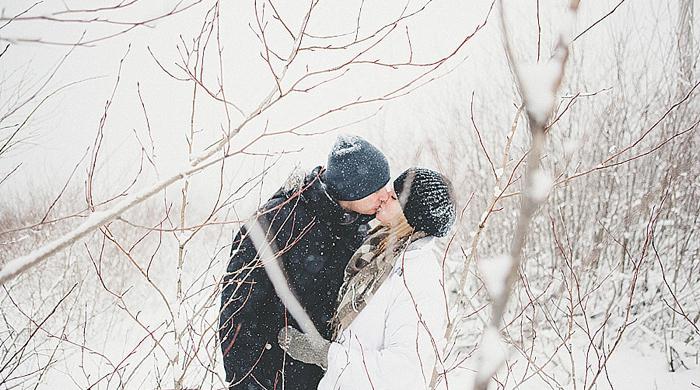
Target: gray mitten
x=304 y=347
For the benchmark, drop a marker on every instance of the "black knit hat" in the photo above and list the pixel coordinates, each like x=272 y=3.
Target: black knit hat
x=355 y=169
x=429 y=205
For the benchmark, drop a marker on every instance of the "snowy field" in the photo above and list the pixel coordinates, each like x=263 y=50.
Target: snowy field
x=136 y=137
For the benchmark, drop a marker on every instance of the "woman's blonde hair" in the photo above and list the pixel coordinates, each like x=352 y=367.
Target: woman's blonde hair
x=396 y=233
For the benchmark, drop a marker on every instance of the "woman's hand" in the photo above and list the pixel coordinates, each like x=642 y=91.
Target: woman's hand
x=303 y=347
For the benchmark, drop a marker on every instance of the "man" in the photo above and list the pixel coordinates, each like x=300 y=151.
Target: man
x=316 y=223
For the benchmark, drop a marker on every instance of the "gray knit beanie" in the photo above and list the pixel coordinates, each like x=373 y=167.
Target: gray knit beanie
x=429 y=205
x=355 y=169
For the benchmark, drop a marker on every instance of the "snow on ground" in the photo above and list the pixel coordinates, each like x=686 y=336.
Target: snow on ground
x=633 y=366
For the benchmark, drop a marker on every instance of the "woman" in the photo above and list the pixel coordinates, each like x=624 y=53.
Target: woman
x=392 y=314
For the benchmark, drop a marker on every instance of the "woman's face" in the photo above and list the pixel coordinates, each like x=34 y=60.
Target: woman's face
x=390 y=212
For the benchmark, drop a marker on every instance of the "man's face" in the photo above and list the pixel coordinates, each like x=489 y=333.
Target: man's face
x=367 y=205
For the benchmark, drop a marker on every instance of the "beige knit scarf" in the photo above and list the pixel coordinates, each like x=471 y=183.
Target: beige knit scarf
x=368 y=268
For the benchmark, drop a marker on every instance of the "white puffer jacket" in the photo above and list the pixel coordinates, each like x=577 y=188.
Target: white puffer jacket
x=392 y=343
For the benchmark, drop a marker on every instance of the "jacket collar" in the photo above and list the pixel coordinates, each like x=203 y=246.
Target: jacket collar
x=318 y=200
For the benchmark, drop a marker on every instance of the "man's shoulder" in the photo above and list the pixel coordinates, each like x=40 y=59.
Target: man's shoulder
x=302 y=189
x=293 y=196
x=281 y=206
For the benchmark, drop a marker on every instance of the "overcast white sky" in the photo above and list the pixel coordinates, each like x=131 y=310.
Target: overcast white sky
x=65 y=127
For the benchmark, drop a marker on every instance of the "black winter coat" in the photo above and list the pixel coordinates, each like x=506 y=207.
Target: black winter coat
x=316 y=238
